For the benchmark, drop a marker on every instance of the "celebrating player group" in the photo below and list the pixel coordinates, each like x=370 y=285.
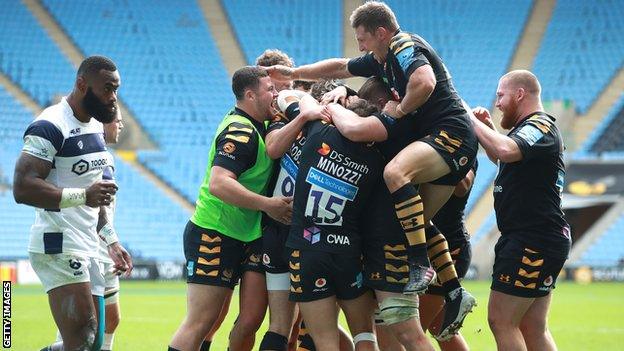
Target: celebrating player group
x=318 y=198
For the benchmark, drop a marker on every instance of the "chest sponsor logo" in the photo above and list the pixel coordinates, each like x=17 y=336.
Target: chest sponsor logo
x=81 y=167
x=338 y=239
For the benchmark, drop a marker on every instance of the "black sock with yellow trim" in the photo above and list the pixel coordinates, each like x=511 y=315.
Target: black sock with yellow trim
x=409 y=211
x=441 y=260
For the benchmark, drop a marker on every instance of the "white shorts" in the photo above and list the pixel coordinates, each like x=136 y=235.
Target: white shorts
x=111 y=283
x=55 y=270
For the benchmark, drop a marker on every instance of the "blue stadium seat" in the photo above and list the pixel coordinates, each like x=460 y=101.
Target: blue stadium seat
x=608 y=250
x=476 y=50
x=307 y=31
x=29 y=57
x=581 y=50
x=172 y=75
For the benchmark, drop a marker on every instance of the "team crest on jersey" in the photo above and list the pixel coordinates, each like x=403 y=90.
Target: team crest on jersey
x=227 y=274
x=548 y=281
x=320 y=282
x=229 y=147
x=463 y=160
x=266 y=259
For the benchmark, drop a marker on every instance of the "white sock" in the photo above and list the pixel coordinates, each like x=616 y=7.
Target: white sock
x=108 y=341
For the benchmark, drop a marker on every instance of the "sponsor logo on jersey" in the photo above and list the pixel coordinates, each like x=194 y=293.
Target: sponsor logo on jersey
x=80 y=144
x=338 y=239
x=498 y=189
x=312 y=234
x=227 y=274
x=359 y=280
x=190 y=267
x=324 y=150
x=81 y=167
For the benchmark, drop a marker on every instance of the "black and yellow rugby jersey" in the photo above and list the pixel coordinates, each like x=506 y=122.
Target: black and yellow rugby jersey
x=335 y=179
x=527 y=193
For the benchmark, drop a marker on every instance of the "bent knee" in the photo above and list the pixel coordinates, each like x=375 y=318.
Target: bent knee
x=394 y=175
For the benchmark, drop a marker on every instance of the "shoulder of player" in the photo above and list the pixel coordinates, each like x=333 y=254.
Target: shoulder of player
x=240 y=132
x=401 y=41
x=541 y=121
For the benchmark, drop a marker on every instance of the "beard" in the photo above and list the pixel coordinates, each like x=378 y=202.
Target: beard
x=98 y=110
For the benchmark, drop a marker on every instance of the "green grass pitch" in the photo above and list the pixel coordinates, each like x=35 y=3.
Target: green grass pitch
x=583 y=317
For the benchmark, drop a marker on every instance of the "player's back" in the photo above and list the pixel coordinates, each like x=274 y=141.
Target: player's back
x=335 y=178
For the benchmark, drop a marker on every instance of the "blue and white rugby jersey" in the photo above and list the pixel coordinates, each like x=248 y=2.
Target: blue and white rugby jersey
x=78 y=154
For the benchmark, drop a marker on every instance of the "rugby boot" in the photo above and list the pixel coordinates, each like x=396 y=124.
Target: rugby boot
x=459 y=303
x=419 y=279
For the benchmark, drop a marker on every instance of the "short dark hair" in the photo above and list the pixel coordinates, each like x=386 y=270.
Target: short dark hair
x=373 y=88
x=318 y=89
x=303 y=84
x=363 y=108
x=372 y=15
x=245 y=78
x=272 y=57
x=93 y=64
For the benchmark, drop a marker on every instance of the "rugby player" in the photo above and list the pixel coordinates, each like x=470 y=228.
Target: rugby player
x=443 y=144
x=535 y=238
x=450 y=220
x=227 y=217
x=59 y=172
x=385 y=270
x=111 y=276
x=335 y=179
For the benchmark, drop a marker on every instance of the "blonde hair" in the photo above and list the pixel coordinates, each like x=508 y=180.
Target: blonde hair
x=524 y=79
x=272 y=57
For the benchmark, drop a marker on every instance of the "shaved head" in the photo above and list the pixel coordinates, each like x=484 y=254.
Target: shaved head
x=523 y=79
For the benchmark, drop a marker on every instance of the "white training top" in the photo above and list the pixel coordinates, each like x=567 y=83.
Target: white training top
x=78 y=155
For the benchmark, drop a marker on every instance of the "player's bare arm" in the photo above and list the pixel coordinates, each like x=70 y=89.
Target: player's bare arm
x=356 y=128
x=483 y=115
x=122 y=260
x=278 y=142
x=30 y=187
x=225 y=186
x=420 y=86
x=498 y=146
x=334 y=68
